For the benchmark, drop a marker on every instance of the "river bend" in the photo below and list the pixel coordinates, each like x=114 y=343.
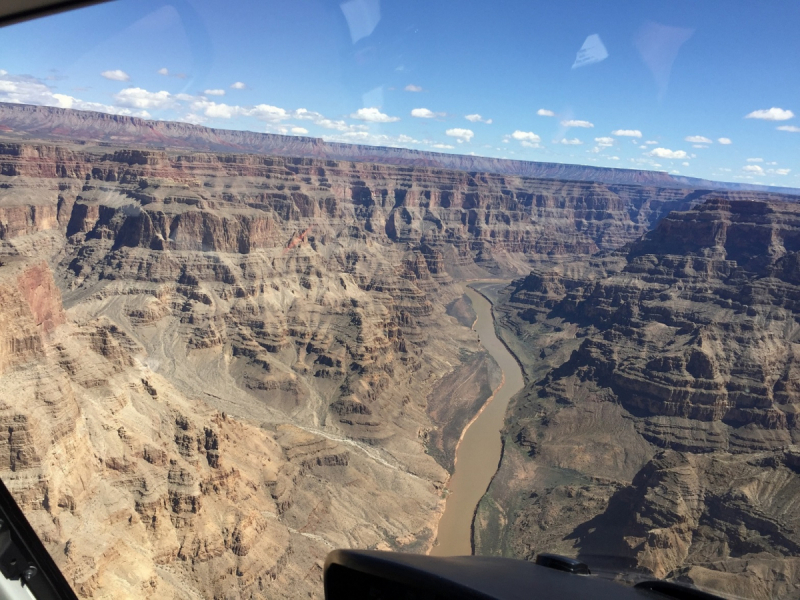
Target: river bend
x=478 y=451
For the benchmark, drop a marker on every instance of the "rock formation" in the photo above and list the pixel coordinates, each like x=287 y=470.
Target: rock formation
x=658 y=428
x=61 y=124
x=216 y=367
x=140 y=489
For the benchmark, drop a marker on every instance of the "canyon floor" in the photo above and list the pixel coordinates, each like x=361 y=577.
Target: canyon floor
x=217 y=367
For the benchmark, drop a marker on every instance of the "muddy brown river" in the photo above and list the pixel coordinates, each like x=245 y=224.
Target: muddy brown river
x=478 y=452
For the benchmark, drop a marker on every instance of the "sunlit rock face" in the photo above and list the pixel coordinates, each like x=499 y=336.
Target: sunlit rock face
x=660 y=423
x=695 y=324
x=138 y=487
x=217 y=367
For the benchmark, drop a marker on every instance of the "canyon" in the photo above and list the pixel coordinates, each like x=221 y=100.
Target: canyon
x=657 y=434
x=479 y=448
x=217 y=366
x=23 y=121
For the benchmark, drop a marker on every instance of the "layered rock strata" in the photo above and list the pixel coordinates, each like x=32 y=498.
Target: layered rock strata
x=141 y=490
x=658 y=428
x=243 y=203
x=60 y=124
x=233 y=363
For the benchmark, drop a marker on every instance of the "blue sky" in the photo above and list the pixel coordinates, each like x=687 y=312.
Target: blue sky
x=702 y=88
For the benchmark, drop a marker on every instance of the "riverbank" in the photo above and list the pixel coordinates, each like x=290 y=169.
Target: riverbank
x=479 y=449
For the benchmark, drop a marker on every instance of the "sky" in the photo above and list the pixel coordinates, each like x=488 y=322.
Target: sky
x=705 y=88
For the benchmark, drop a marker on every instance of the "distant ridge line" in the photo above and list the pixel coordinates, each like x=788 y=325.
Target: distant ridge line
x=64 y=124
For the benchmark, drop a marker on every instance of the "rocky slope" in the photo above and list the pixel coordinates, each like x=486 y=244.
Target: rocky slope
x=142 y=490
x=208 y=411
x=44 y=122
x=217 y=367
x=658 y=428
x=223 y=365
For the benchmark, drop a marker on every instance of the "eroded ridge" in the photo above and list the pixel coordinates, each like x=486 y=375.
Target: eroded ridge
x=658 y=429
x=234 y=362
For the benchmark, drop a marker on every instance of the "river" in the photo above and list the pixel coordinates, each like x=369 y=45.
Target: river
x=478 y=452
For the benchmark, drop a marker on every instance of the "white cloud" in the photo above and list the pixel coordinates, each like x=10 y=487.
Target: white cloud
x=3 y=72
x=337 y=125
x=262 y=112
x=699 y=146
x=651 y=142
x=771 y=114
x=576 y=123
x=543 y=112
x=163 y=71
x=266 y=112
x=754 y=160
x=667 y=153
x=323 y=121
x=380 y=139
x=214 y=110
x=135 y=101
x=725 y=141
x=238 y=86
x=214 y=92
x=26 y=91
x=116 y=75
x=140 y=98
x=373 y=115
x=61 y=100
x=359 y=135
x=792 y=128
x=627 y=133
x=753 y=169
x=613 y=158
x=528 y=136
x=685 y=164
x=476 y=118
x=528 y=139
x=572 y=142
x=780 y=171
x=604 y=142
x=697 y=139
x=220 y=111
x=412 y=88
x=193 y=119
x=29 y=90
x=462 y=135
x=424 y=113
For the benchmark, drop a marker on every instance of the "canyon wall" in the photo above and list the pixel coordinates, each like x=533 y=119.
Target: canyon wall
x=658 y=431
x=216 y=367
x=67 y=125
